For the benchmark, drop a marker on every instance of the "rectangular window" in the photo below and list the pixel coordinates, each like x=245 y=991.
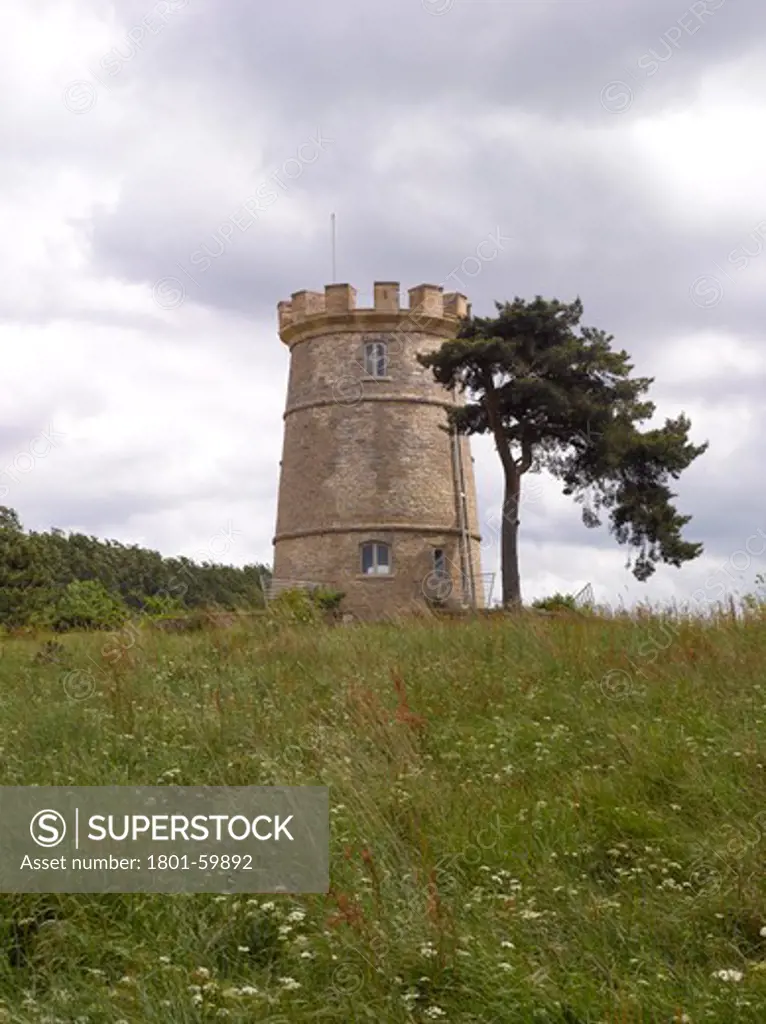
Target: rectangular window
x=440 y=562
x=376 y=559
x=375 y=359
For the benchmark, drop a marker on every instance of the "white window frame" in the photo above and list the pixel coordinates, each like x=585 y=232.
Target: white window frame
x=376 y=359
x=377 y=568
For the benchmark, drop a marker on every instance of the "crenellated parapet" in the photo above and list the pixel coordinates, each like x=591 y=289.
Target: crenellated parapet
x=336 y=309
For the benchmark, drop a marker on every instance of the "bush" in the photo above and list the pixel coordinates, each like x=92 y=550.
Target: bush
x=556 y=603
x=87 y=604
x=328 y=600
x=162 y=604
x=306 y=607
x=294 y=606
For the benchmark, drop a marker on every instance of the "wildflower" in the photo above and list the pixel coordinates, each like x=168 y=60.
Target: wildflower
x=296 y=916
x=507 y=944
x=728 y=974
x=290 y=984
x=763 y=932
x=505 y=966
x=432 y=1012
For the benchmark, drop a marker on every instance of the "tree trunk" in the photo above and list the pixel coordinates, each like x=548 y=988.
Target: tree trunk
x=509 y=558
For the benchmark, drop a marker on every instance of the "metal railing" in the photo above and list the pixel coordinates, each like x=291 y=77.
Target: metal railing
x=487 y=581
x=584 y=598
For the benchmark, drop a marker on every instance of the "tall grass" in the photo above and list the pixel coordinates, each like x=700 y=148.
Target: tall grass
x=550 y=819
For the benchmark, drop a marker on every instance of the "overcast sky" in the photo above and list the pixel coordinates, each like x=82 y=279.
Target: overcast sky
x=616 y=148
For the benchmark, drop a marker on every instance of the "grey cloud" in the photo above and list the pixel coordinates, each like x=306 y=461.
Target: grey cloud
x=550 y=58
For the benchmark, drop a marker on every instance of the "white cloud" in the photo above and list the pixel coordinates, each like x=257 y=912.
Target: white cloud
x=706 y=162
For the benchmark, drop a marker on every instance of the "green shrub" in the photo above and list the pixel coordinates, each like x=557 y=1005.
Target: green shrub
x=295 y=607
x=556 y=603
x=328 y=600
x=162 y=604
x=305 y=607
x=87 y=604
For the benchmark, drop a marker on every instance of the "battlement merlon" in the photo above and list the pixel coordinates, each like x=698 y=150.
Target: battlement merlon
x=428 y=308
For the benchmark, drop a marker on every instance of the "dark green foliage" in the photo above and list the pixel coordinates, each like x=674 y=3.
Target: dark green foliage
x=555 y=396
x=87 y=604
x=328 y=600
x=42 y=578
x=23 y=573
x=294 y=607
x=246 y=943
x=162 y=605
x=556 y=603
x=306 y=606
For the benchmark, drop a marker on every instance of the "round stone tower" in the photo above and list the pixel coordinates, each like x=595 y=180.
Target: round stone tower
x=376 y=498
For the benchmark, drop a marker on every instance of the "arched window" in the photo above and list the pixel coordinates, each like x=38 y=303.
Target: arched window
x=376 y=359
x=376 y=559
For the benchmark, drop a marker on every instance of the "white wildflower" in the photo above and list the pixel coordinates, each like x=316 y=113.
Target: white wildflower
x=728 y=974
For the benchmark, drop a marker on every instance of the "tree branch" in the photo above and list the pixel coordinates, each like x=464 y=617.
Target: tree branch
x=525 y=461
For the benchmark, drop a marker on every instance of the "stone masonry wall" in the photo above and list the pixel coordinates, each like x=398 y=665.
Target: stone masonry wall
x=367 y=459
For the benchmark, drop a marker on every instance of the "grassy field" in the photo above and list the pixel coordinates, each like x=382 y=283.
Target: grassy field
x=544 y=819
